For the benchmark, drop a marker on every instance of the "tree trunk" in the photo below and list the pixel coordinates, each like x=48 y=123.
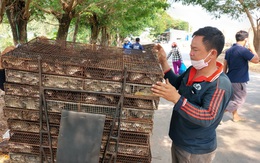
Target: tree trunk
x=118 y=42
x=256 y=29
x=76 y=29
x=94 y=34
x=257 y=38
x=64 y=24
x=104 y=37
x=94 y=29
x=17 y=22
x=2 y=9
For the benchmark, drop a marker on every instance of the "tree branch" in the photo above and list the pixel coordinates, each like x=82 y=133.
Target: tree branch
x=249 y=16
x=71 y=5
x=68 y=7
x=56 y=14
x=26 y=13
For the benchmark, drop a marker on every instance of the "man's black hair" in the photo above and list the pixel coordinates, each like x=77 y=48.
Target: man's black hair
x=213 y=38
x=241 y=35
x=137 y=39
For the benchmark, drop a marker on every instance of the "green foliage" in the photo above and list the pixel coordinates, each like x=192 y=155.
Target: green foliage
x=129 y=17
x=46 y=27
x=123 y=17
x=180 y=25
x=5 y=36
x=163 y=21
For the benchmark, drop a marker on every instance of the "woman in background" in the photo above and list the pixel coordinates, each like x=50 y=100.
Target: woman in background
x=176 y=58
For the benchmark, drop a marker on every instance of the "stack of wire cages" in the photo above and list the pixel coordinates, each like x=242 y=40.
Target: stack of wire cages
x=44 y=77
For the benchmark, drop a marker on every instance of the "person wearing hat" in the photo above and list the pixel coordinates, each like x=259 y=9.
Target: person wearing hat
x=176 y=58
x=127 y=44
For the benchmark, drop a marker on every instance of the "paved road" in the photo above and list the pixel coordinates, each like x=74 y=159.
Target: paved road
x=237 y=142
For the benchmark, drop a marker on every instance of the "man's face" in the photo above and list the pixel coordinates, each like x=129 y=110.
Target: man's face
x=198 y=50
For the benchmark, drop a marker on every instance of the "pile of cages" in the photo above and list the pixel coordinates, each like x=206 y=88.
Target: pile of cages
x=82 y=78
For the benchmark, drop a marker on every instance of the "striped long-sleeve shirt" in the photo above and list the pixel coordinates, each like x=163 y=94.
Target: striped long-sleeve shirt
x=198 y=112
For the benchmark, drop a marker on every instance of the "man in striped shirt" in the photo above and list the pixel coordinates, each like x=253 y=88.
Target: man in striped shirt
x=200 y=96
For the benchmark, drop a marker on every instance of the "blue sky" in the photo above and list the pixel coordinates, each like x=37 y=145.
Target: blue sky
x=198 y=17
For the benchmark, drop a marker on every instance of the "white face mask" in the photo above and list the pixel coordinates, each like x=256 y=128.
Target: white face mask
x=200 y=63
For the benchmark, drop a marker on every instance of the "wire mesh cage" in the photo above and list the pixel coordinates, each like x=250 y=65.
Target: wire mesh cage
x=80 y=60
x=30 y=126
x=130 y=137
x=21 y=102
x=29 y=115
x=83 y=97
x=23 y=158
x=33 y=139
x=27 y=149
x=48 y=75
x=128 y=149
x=21 y=90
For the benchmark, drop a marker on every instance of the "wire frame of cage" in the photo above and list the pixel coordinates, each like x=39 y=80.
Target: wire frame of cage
x=83 y=97
x=25 y=149
x=87 y=63
x=129 y=158
x=23 y=157
x=16 y=125
x=33 y=139
x=48 y=45
x=29 y=142
x=72 y=83
x=84 y=64
x=103 y=64
x=27 y=120
x=21 y=90
x=23 y=102
x=127 y=149
x=29 y=115
x=30 y=138
x=105 y=69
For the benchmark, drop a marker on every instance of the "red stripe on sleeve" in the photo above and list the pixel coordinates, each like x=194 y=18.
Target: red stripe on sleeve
x=208 y=114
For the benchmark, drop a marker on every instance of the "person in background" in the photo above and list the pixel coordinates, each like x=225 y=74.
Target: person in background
x=127 y=44
x=236 y=67
x=137 y=45
x=176 y=58
x=199 y=97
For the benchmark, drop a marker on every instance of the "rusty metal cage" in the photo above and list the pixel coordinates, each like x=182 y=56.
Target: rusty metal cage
x=32 y=139
x=21 y=90
x=128 y=149
x=46 y=76
x=29 y=115
x=82 y=61
x=23 y=158
x=16 y=147
x=30 y=126
x=21 y=102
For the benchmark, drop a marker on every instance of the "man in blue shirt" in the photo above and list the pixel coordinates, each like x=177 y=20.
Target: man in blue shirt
x=137 y=45
x=236 y=67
